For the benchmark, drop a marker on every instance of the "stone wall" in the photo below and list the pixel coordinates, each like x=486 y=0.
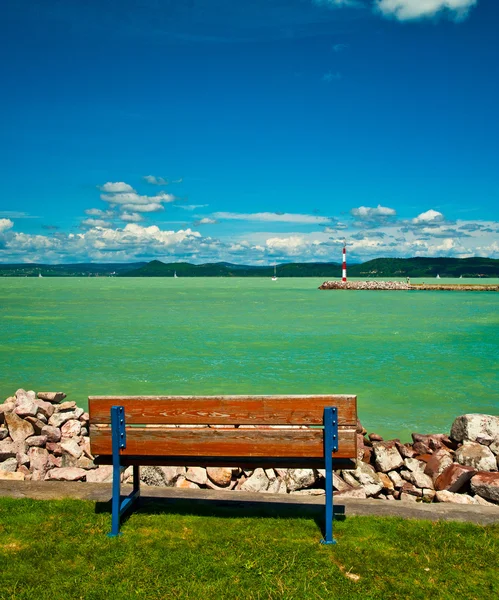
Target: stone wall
x=45 y=437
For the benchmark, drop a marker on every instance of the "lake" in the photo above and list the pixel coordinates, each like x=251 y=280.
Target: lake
x=415 y=359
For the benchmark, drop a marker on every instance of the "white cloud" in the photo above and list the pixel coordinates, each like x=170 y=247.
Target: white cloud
x=430 y=216
x=130 y=198
x=152 y=207
x=97 y=212
x=117 y=186
x=205 y=221
x=95 y=223
x=272 y=217
x=368 y=213
x=5 y=224
x=131 y=217
x=405 y=10
x=156 y=180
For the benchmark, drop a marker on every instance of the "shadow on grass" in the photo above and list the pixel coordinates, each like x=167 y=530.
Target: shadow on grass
x=226 y=508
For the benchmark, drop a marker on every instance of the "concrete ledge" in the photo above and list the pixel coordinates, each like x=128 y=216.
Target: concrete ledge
x=185 y=499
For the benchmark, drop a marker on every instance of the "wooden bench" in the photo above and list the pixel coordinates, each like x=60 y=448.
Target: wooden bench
x=141 y=430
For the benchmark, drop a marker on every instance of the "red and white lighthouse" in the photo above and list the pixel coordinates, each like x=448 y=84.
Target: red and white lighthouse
x=344 y=265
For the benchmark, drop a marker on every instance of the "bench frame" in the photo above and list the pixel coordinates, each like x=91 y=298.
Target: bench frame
x=121 y=505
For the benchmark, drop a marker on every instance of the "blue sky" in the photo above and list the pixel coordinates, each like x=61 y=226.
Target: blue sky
x=250 y=132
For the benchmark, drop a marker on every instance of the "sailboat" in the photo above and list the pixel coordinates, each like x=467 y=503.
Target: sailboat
x=40 y=275
x=438 y=276
x=274 y=278
x=175 y=274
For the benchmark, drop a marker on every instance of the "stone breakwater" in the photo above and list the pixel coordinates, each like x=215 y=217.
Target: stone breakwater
x=400 y=285
x=45 y=437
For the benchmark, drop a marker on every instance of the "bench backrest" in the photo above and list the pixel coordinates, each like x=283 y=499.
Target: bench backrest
x=284 y=427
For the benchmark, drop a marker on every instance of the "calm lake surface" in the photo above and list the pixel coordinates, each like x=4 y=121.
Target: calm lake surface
x=416 y=360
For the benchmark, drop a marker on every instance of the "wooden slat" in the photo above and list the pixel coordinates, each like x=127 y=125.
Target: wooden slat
x=224 y=410
x=290 y=443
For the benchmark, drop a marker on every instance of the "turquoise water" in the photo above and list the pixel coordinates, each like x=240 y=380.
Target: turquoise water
x=415 y=359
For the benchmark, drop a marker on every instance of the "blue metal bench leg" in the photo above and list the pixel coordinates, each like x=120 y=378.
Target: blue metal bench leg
x=118 y=442
x=330 y=446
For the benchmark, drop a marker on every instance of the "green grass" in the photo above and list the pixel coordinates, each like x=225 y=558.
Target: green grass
x=58 y=549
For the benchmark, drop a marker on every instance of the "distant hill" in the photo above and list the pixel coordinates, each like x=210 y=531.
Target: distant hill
x=74 y=270
x=379 y=267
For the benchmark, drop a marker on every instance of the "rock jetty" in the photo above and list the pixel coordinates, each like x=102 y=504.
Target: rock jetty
x=400 y=285
x=365 y=285
x=45 y=437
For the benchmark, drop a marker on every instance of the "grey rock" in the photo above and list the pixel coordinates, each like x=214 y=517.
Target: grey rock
x=472 y=426
x=8 y=449
x=54 y=397
x=37 y=424
x=66 y=474
x=397 y=480
x=4 y=432
x=10 y=465
x=486 y=485
x=45 y=408
x=71 y=447
x=366 y=477
x=387 y=457
x=258 y=482
x=446 y=496
x=298 y=479
x=196 y=475
x=26 y=408
x=103 y=474
x=477 y=456
x=357 y=492
x=60 y=417
x=71 y=428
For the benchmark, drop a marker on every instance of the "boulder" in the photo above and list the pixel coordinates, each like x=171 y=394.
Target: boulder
x=277 y=486
x=38 y=459
x=12 y=476
x=55 y=461
x=297 y=479
x=45 y=408
x=53 y=434
x=395 y=478
x=386 y=456
x=196 y=475
x=36 y=440
x=171 y=474
x=477 y=456
x=454 y=477
x=494 y=447
x=374 y=437
x=406 y=497
x=67 y=406
x=4 y=432
x=10 y=464
x=258 y=482
x=26 y=407
x=71 y=428
x=446 y=496
x=103 y=474
x=53 y=397
x=60 y=417
x=439 y=461
x=418 y=478
x=54 y=448
x=66 y=474
x=19 y=429
x=71 y=447
x=37 y=423
x=366 y=476
x=411 y=489
x=387 y=483
x=8 y=449
x=472 y=426
x=220 y=476
x=357 y=492
x=486 y=485
x=339 y=484
x=405 y=450
x=184 y=483
x=414 y=465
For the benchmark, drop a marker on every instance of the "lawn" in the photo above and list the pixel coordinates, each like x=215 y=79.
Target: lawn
x=58 y=549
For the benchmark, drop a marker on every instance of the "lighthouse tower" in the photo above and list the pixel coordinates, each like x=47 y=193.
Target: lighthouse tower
x=344 y=265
